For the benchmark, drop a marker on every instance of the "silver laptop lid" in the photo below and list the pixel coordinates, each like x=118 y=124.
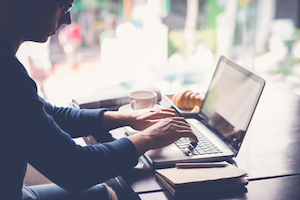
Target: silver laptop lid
x=230 y=102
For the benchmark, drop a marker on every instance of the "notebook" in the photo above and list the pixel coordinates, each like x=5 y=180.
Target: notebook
x=223 y=119
x=182 y=181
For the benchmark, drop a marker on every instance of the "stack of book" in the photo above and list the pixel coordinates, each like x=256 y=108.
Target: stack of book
x=181 y=181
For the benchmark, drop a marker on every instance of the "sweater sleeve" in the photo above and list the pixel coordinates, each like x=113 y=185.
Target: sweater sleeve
x=73 y=167
x=79 y=123
x=40 y=140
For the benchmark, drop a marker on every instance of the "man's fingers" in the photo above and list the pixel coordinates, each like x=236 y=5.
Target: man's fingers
x=163 y=112
x=173 y=111
x=191 y=135
x=186 y=131
x=183 y=128
x=180 y=127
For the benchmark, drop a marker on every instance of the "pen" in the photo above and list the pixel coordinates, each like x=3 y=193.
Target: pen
x=199 y=165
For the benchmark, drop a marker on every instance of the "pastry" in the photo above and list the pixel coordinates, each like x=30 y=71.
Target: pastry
x=187 y=99
x=196 y=109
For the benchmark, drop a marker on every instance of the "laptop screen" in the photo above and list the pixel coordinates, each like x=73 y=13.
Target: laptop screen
x=230 y=101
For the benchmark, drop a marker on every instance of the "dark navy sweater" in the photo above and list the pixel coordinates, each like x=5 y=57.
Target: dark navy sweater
x=33 y=131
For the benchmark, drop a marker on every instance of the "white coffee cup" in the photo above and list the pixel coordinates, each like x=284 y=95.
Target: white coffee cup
x=142 y=99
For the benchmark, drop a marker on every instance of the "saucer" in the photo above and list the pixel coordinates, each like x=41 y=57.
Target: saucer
x=128 y=107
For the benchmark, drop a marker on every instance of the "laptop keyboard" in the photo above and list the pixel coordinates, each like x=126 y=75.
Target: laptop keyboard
x=204 y=146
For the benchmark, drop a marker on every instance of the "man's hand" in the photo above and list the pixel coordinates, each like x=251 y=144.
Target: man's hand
x=144 y=118
x=162 y=133
x=137 y=119
x=158 y=127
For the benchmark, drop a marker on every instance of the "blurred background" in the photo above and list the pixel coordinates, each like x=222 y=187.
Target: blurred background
x=169 y=44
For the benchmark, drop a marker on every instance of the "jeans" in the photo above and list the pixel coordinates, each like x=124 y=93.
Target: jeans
x=54 y=192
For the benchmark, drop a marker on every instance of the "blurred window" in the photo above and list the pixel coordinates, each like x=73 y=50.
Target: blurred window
x=170 y=44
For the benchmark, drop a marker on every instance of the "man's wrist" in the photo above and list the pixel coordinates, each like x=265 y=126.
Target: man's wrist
x=141 y=142
x=115 y=119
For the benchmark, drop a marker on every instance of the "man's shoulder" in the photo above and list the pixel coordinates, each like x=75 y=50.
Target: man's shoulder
x=6 y=56
x=13 y=75
x=9 y=63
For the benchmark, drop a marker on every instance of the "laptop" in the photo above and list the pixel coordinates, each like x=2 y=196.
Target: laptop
x=222 y=121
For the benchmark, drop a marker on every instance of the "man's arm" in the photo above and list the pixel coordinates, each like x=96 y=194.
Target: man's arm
x=78 y=122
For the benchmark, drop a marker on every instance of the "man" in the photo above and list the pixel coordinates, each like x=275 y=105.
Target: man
x=33 y=131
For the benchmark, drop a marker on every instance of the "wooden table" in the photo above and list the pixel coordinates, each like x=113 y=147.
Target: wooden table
x=267 y=189
x=269 y=153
